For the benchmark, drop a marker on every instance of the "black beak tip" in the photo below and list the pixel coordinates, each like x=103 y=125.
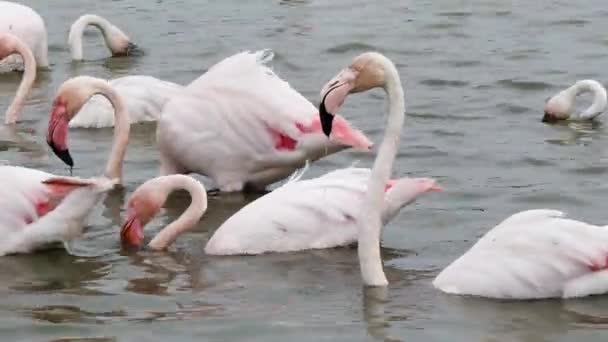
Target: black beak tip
x=64 y=155
x=326 y=119
x=548 y=118
x=134 y=50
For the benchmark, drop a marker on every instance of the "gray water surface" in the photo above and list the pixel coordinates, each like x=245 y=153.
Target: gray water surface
x=476 y=74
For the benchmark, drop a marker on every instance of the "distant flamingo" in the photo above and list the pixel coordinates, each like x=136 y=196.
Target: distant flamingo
x=561 y=105
x=241 y=125
x=70 y=98
x=532 y=254
x=10 y=44
x=323 y=212
x=38 y=208
x=144 y=97
x=27 y=25
x=146 y=202
x=117 y=41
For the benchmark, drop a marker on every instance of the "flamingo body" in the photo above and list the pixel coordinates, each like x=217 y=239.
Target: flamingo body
x=144 y=97
x=38 y=208
x=239 y=123
x=309 y=214
x=530 y=255
x=26 y=24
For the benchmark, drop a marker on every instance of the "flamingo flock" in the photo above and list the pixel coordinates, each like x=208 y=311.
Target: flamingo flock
x=245 y=128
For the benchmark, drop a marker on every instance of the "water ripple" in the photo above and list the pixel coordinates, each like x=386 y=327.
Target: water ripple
x=436 y=82
x=353 y=46
x=524 y=85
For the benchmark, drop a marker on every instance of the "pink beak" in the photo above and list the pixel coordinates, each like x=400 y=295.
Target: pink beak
x=131 y=233
x=57 y=134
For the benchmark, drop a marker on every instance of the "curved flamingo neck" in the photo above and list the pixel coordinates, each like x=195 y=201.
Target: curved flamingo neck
x=77 y=30
x=189 y=218
x=27 y=81
x=370 y=260
x=600 y=98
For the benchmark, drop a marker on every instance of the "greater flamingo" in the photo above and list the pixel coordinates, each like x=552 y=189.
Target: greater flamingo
x=532 y=254
x=311 y=214
x=27 y=25
x=38 y=208
x=241 y=125
x=144 y=97
x=117 y=41
x=10 y=44
x=146 y=201
x=561 y=105
x=70 y=98
x=343 y=206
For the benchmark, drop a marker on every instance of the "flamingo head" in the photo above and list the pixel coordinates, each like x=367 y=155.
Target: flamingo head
x=367 y=71
x=558 y=107
x=120 y=44
x=70 y=98
x=144 y=204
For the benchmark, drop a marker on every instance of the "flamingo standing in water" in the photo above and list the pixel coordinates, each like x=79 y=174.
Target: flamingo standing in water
x=27 y=25
x=342 y=207
x=241 y=125
x=70 y=98
x=38 y=208
x=10 y=44
x=561 y=106
x=117 y=41
x=144 y=97
x=532 y=254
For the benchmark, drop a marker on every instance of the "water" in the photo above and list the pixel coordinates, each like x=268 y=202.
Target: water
x=476 y=74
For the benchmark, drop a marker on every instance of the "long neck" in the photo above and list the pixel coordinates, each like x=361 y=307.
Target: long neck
x=121 y=130
x=599 y=97
x=370 y=260
x=27 y=81
x=77 y=30
x=188 y=219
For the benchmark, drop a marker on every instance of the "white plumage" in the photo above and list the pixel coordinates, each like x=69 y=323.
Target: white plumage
x=26 y=24
x=144 y=97
x=532 y=254
x=23 y=228
x=308 y=214
x=228 y=123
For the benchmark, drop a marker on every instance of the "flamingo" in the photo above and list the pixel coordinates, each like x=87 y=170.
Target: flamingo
x=311 y=214
x=11 y=44
x=146 y=201
x=117 y=41
x=144 y=97
x=38 y=208
x=532 y=254
x=27 y=25
x=241 y=125
x=561 y=105
x=70 y=98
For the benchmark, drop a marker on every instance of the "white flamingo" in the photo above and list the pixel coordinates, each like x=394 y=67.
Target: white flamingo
x=70 y=98
x=240 y=125
x=117 y=41
x=10 y=44
x=561 y=105
x=323 y=212
x=146 y=201
x=27 y=25
x=144 y=97
x=532 y=254
x=38 y=208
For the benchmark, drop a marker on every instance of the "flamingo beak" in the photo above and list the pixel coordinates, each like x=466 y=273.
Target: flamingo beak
x=333 y=95
x=131 y=232
x=548 y=117
x=57 y=134
x=134 y=50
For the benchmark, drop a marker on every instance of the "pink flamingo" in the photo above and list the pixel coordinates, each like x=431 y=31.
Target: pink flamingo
x=39 y=208
x=10 y=44
x=28 y=26
x=241 y=125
